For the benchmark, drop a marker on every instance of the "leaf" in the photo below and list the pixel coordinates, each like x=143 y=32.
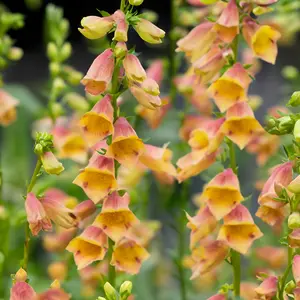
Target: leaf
x=103 y=13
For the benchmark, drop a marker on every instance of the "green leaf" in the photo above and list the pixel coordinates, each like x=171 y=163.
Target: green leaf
x=104 y=13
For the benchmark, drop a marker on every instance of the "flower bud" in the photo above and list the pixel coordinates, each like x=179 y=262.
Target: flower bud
x=72 y=76
x=21 y=275
x=136 y=2
x=51 y=164
x=65 y=51
x=15 y=53
x=85 y=209
x=120 y=50
x=101 y=298
x=294 y=220
x=76 y=102
x=3 y=63
x=255 y=102
x=294 y=186
x=297 y=131
x=38 y=149
x=57 y=110
x=33 y=4
x=55 y=284
x=110 y=292
x=289 y=287
x=290 y=72
x=54 y=68
x=295 y=99
x=52 y=51
x=58 y=85
x=125 y=290
x=57 y=270
x=64 y=26
x=150 y=15
x=149 y=32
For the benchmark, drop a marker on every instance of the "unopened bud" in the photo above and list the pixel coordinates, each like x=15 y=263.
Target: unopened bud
x=290 y=72
x=294 y=186
x=76 y=102
x=125 y=290
x=278 y=189
x=21 y=275
x=289 y=287
x=33 y=4
x=51 y=164
x=72 y=76
x=54 y=68
x=58 y=85
x=57 y=110
x=294 y=220
x=150 y=15
x=297 y=131
x=65 y=51
x=52 y=51
x=3 y=63
x=57 y=270
x=255 y=102
x=38 y=149
x=110 y=292
x=64 y=26
x=55 y=284
x=260 y=10
x=120 y=50
x=136 y=2
x=295 y=99
x=15 y=53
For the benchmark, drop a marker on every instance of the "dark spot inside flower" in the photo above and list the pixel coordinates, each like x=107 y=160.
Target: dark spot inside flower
x=104 y=227
x=72 y=216
x=137 y=260
x=252 y=235
x=229 y=132
x=85 y=184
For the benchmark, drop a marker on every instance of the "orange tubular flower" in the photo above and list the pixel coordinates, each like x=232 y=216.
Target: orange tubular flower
x=7 y=108
x=22 y=290
x=155 y=70
x=116 y=218
x=239 y=230
x=97 y=179
x=128 y=256
x=218 y=297
x=36 y=215
x=90 y=246
x=281 y=177
x=222 y=194
x=294 y=238
x=133 y=68
x=272 y=216
x=267 y=288
x=190 y=123
x=296 y=269
x=261 y=39
x=207 y=257
x=98 y=123
x=227 y=26
x=231 y=87
x=95 y=27
x=240 y=125
x=201 y=225
x=50 y=163
x=198 y=41
x=158 y=159
x=121 y=26
x=85 y=209
x=100 y=73
x=276 y=260
x=54 y=293
x=126 y=147
x=145 y=98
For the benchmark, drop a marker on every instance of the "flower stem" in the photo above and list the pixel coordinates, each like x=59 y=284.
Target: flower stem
x=27 y=230
x=111 y=270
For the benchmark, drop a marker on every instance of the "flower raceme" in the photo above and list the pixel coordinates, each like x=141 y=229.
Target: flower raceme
x=8 y=106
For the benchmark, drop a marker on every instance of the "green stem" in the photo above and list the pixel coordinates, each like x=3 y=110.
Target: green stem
x=111 y=270
x=235 y=47
x=172 y=42
x=233 y=164
x=236 y=265
x=122 y=6
x=27 y=230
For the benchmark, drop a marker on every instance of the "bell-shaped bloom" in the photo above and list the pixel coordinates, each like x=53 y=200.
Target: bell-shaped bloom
x=60 y=196
x=231 y=87
x=201 y=225
x=267 y=288
x=121 y=26
x=97 y=124
x=152 y=117
x=149 y=32
x=262 y=39
x=218 y=297
x=239 y=230
x=88 y=247
x=54 y=293
x=296 y=293
x=100 y=73
x=57 y=242
x=126 y=146
x=190 y=123
x=22 y=290
x=133 y=68
x=116 y=218
x=144 y=232
x=128 y=256
x=207 y=136
x=208 y=256
x=96 y=27
x=198 y=41
x=8 y=106
x=210 y=64
x=50 y=163
x=57 y=270
x=150 y=86
x=281 y=177
x=201 y=100
x=36 y=215
x=146 y=99
x=272 y=216
x=276 y=260
x=70 y=144
x=241 y=125
x=158 y=159
x=58 y=212
x=296 y=269
x=227 y=26
x=84 y=209
x=222 y=194
x=294 y=238
x=97 y=179
x=248 y=290
x=155 y=70
x=130 y=176
x=194 y=163
x=249 y=59
x=264 y=145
